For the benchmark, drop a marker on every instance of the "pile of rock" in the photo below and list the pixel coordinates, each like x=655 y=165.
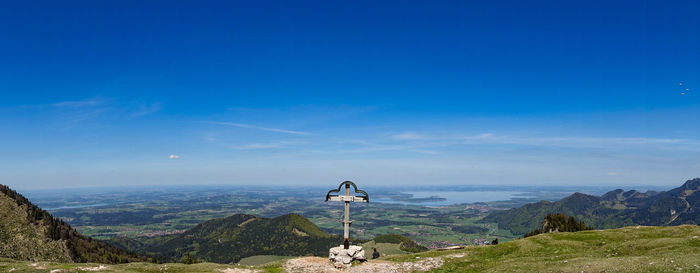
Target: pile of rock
x=342 y=258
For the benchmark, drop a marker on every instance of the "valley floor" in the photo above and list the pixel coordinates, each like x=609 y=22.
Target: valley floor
x=630 y=249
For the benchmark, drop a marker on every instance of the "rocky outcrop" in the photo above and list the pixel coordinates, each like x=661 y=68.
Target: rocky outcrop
x=343 y=258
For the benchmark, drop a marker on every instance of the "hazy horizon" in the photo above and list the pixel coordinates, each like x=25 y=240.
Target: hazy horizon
x=600 y=188
x=381 y=93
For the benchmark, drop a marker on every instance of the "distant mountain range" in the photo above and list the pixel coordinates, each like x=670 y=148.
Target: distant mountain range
x=614 y=209
x=30 y=233
x=227 y=240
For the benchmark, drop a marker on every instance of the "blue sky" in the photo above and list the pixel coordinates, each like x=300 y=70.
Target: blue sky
x=380 y=92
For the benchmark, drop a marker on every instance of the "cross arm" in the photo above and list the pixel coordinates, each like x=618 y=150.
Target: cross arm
x=362 y=198
x=347 y=198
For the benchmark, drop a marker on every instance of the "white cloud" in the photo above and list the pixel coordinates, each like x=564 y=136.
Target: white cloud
x=174 y=157
x=611 y=173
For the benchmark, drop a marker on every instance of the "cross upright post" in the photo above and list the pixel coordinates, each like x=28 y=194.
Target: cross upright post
x=347 y=198
x=346 y=219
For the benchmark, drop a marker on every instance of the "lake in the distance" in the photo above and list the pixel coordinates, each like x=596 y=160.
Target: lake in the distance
x=455 y=197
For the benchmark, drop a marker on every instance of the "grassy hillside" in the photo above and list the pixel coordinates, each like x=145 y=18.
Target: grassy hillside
x=392 y=244
x=405 y=244
x=23 y=241
x=262 y=259
x=630 y=249
x=30 y=233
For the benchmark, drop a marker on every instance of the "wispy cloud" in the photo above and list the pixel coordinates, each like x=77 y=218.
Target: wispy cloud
x=248 y=126
x=173 y=157
x=145 y=109
x=73 y=114
x=363 y=146
x=79 y=103
x=269 y=145
x=408 y=136
x=632 y=147
x=256 y=146
x=574 y=141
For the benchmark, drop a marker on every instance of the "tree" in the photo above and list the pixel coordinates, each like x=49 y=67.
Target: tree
x=559 y=223
x=187 y=259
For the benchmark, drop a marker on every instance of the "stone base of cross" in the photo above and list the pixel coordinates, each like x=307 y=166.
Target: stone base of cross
x=342 y=257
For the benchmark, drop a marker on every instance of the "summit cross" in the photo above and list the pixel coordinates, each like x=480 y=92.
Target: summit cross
x=347 y=198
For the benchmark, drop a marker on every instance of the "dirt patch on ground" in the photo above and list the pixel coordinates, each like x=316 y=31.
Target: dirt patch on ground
x=96 y=268
x=316 y=264
x=247 y=221
x=300 y=233
x=38 y=266
x=458 y=255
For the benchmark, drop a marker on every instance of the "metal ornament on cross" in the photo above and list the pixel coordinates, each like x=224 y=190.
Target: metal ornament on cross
x=347 y=198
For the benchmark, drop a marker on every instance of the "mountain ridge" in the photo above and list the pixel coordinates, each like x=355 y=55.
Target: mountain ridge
x=614 y=209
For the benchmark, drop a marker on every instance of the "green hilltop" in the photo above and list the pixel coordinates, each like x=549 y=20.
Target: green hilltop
x=228 y=240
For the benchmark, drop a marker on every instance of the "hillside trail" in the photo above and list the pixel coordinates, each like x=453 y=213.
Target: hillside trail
x=321 y=265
